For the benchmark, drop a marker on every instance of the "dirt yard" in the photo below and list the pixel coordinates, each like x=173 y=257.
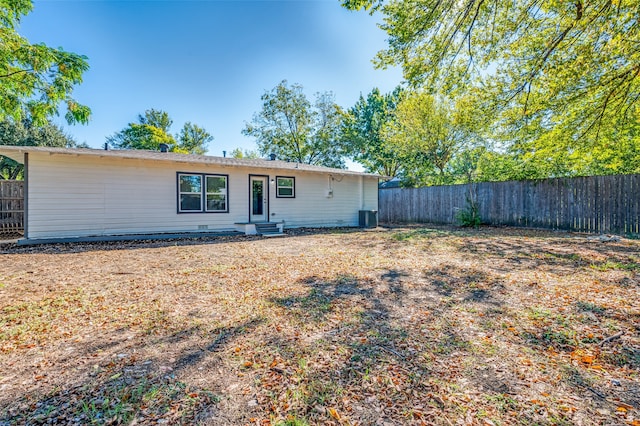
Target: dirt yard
x=409 y=325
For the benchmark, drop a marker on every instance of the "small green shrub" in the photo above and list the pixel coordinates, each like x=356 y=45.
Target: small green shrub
x=469 y=216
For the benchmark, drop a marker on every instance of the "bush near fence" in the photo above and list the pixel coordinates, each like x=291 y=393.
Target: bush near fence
x=11 y=207
x=599 y=204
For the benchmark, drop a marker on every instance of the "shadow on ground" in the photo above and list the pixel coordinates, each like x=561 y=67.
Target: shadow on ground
x=435 y=343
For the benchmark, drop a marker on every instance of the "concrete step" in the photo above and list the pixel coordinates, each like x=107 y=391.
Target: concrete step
x=268 y=229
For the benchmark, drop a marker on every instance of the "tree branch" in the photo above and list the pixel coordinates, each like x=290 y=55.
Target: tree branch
x=17 y=72
x=555 y=43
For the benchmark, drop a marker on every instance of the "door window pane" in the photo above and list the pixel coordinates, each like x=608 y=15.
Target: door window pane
x=258 y=196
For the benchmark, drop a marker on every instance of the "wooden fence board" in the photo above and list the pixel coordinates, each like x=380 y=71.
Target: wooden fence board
x=592 y=204
x=11 y=207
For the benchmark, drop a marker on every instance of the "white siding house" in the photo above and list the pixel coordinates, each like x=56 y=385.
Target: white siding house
x=91 y=193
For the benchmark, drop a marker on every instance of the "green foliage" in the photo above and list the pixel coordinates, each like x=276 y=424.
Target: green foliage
x=193 y=138
x=296 y=130
x=469 y=216
x=424 y=130
x=556 y=83
x=613 y=265
x=293 y=421
x=247 y=154
x=152 y=130
x=553 y=154
x=371 y=5
x=365 y=136
x=156 y=118
x=540 y=57
x=464 y=166
x=419 y=233
x=430 y=133
x=34 y=78
x=141 y=136
x=27 y=133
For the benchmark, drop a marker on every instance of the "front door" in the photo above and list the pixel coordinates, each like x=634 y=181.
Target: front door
x=258 y=199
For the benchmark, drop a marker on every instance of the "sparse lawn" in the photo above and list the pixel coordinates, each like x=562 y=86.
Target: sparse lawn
x=410 y=325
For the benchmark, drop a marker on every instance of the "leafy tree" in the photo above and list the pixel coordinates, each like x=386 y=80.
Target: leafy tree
x=465 y=165
x=617 y=151
x=426 y=131
x=156 y=118
x=555 y=154
x=247 y=153
x=295 y=130
x=194 y=139
x=364 y=132
x=141 y=136
x=35 y=78
x=27 y=133
x=152 y=129
x=573 y=66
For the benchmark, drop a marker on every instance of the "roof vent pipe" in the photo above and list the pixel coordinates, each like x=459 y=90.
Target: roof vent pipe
x=164 y=147
x=272 y=157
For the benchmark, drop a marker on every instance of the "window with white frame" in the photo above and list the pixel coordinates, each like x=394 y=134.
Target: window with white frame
x=198 y=192
x=216 y=193
x=190 y=193
x=285 y=187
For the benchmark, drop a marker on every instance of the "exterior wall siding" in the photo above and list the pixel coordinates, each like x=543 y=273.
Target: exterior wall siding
x=76 y=196
x=370 y=195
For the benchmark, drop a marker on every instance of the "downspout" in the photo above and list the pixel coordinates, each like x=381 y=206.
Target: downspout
x=25 y=214
x=362 y=189
x=378 y=199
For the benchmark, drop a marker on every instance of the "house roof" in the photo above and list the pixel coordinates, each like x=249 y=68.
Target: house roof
x=392 y=183
x=180 y=158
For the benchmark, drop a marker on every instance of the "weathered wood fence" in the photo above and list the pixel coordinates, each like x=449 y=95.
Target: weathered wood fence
x=600 y=204
x=11 y=207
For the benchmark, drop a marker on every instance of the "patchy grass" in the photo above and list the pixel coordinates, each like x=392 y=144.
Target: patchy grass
x=612 y=266
x=408 y=325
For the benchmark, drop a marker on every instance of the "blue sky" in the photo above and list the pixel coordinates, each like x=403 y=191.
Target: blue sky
x=207 y=61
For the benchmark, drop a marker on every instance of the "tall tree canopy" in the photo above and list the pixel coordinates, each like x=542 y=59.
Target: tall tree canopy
x=364 y=132
x=430 y=132
x=193 y=138
x=27 y=133
x=296 y=130
x=568 y=65
x=153 y=128
x=156 y=118
x=248 y=154
x=554 y=154
x=34 y=78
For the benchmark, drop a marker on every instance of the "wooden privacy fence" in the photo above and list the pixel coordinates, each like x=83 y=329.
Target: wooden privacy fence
x=591 y=204
x=11 y=207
